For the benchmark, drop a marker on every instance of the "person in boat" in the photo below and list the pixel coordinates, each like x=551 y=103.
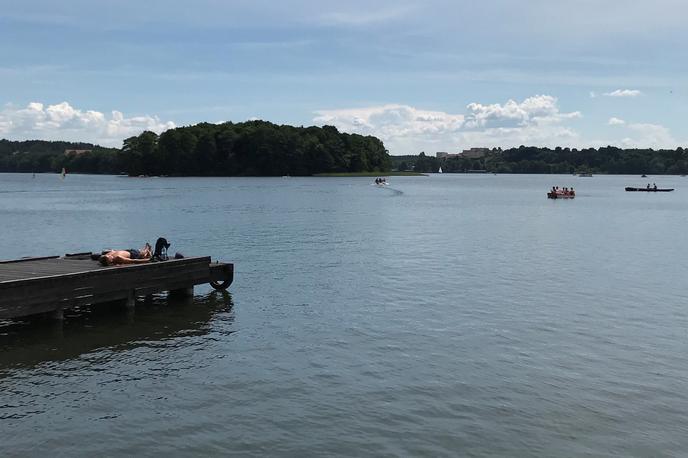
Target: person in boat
x=131 y=256
x=648 y=186
x=654 y=186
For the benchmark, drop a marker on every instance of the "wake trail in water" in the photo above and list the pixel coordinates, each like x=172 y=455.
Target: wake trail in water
x=395 y=192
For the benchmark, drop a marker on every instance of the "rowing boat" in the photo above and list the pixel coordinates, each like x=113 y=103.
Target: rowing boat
x=629 y=189
x=560 y=195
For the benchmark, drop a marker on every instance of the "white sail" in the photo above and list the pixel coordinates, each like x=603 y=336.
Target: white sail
x=64 y=172
x=440 y=170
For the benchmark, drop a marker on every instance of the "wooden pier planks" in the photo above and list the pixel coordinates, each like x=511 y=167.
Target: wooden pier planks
x=40 y=285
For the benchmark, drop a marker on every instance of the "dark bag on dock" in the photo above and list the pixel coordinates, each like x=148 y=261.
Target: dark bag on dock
x=160 y=253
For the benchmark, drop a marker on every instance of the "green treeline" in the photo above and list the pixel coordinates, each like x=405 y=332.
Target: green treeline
x=254 y=148
x=45 y=156
x=259 y=148
x=524 y=159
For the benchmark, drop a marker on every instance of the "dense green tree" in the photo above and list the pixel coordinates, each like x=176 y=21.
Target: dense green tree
x=263 y=148
x=526 y=159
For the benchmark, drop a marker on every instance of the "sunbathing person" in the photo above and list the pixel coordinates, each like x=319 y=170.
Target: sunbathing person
x=113 y=257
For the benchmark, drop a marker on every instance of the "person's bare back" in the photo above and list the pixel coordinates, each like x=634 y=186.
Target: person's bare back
x=117 y=257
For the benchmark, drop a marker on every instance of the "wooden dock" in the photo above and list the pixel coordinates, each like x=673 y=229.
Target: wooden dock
x=52 y=284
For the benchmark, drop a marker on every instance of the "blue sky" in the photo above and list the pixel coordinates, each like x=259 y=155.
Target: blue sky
x=424 y=76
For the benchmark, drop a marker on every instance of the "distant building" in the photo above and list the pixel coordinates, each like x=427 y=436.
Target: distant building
x=474 y=153
x=76 y=152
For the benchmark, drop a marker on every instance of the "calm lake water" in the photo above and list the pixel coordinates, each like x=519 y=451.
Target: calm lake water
x=445 y=315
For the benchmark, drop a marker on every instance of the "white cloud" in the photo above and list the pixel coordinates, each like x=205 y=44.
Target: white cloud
x=623 y=93
x=404 y=129
x=64 y=122
x=537 y=110
x=645 y=135
x=616 y=122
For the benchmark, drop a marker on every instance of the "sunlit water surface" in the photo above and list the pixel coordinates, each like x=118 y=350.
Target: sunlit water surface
x=440 y=316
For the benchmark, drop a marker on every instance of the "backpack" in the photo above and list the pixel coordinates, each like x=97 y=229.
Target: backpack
x=160 y=253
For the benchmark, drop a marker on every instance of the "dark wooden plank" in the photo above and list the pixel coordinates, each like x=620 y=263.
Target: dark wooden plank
x=47 y=287
x=47 y=270
x=84 y=255
x=14 y=261
x=156 y=266
x=53 y=284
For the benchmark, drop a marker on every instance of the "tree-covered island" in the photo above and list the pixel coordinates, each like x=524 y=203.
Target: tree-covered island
x=260 y=148
x=253 y=148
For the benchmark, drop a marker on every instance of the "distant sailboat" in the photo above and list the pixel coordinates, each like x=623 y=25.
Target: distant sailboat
x=440 y=170
x=63 y=174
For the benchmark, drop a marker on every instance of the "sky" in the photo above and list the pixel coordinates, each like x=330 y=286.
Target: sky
x=433 y=75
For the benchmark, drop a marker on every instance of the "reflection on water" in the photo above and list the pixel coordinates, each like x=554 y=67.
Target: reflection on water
x=29 y=343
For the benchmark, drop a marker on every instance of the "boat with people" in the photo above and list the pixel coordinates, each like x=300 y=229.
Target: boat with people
x=648 y=189
x=381 y=182
x=561 y=193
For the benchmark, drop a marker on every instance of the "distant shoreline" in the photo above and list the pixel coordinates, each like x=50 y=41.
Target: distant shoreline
x=319 y=175
x=370 y=174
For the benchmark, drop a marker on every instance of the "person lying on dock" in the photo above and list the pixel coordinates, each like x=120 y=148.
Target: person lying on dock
x=113 y=257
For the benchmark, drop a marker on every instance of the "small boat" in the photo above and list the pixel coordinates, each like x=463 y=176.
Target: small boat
x=643 y=176
x=440 y=170
x=560 y=195
x=63 y=173
x=629 y=189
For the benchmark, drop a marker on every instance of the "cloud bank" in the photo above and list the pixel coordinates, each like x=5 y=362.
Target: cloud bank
x=646 y=135
x=623 y=93
x=64 y=122
x=643 y=135
x=536 y=120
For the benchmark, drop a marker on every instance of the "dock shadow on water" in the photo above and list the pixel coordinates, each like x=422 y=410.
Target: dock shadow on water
x=30 y=342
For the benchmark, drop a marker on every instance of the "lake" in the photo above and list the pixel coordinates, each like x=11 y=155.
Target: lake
x=446 y=315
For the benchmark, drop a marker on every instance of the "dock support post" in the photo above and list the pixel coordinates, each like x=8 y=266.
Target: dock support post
x=183 y=292
x=130 y=301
